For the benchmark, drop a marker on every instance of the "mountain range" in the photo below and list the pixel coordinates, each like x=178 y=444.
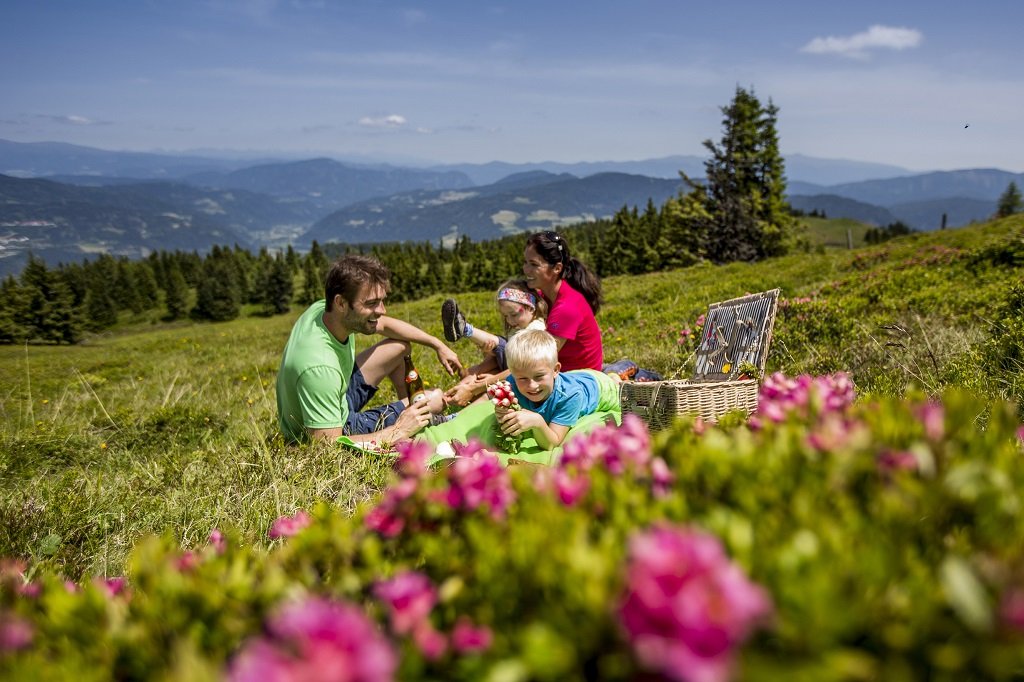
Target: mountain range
x=130 y=203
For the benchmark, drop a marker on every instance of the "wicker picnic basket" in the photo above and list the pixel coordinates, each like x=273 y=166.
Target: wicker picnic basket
x=736 y=335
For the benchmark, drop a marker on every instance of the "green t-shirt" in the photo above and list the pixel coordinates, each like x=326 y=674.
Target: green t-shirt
x=315 y=372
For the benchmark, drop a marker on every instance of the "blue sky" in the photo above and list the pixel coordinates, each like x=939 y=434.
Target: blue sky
x=891 y=82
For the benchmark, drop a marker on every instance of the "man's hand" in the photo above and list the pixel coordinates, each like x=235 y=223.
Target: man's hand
x=450 y=361
x=412 y=420
x=467 y=390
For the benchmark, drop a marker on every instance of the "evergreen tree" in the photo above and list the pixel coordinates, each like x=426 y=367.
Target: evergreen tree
x=100 y=308
x=681 y=239
x=125 y=291
x=745 y=193
x=277 y=295
x=48 y=312
x=145 y=280
x=1010 y=201
x=12 y=303
x=312 y=283
x=217 y=295
x=176 y=292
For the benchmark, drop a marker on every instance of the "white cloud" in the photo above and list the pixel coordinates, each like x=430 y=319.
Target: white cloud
x=71 y=119
x=390 y=121
x=859 y=45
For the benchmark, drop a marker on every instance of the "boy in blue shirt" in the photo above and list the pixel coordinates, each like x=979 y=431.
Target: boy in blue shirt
x=553 y=401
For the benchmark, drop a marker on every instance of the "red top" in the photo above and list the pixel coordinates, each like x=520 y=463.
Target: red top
x=572 y=319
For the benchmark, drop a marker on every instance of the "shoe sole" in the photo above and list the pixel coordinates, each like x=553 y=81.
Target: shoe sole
x=449 y=314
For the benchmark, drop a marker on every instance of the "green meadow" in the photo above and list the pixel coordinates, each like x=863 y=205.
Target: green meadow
x=171 y=427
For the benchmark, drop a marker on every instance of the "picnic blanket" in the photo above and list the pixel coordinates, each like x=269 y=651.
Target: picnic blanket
x=477 y=421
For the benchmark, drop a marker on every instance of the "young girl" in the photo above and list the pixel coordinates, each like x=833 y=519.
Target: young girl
x=520 y=309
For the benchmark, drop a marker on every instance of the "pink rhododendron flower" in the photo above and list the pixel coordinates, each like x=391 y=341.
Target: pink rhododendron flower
x=1020 y=433
x=1011 y=609
x=388 y=518
x=479 y=481
x=468 y=638
x=186 y=562
x=113 y=586
x=30 y=590
x=71 y=587
x=316 y=640
x=217 y=541
x=781 y=395
x=409 y=596
x=662 y=476
x=686 y=606
x=287 y=526
x=412 y=458
x=16 y=633
x=932 y=416
x=431 y=643
x=897 y=460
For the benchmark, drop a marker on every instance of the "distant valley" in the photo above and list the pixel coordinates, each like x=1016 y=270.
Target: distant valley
x=64 y=203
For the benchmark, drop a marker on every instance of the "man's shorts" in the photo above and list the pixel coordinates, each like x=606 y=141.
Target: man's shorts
x=376 y=418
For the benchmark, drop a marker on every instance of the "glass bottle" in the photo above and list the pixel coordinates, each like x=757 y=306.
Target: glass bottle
x=413 y=381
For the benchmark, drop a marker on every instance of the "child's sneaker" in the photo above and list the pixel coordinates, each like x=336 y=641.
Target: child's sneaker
x=452 y=320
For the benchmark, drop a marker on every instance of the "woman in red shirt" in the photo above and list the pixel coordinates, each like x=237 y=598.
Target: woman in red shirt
x=573 y=292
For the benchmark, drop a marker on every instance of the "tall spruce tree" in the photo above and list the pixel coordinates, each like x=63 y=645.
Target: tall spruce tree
x=744 y=198
x=176 y=292
x=277 y=294
x=218 y=297
x=1010 y=201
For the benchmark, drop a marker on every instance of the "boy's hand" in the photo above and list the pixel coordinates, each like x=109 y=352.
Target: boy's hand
x=517 y=422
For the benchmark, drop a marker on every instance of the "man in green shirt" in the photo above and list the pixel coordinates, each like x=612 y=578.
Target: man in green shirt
x=323 y=386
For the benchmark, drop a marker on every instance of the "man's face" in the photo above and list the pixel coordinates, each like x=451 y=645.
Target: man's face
x=536 y=381
x=361 y=317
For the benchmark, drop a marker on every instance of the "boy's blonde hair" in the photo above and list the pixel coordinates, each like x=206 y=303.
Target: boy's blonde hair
x=531 y=347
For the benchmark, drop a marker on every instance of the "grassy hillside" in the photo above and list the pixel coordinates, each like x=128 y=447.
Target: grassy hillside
x=172 y=428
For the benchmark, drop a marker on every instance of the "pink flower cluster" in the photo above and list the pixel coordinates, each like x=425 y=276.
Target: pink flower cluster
x=686 y=335
x=287 y=526
x=475 y=479
x=687 y=607
x=16 y=633
x=316 y=640
x=410 y=597
x=479 y=481
x=618 y=450
x=804 y=395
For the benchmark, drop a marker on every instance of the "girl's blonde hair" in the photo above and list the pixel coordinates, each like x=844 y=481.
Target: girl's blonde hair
x=518 y=291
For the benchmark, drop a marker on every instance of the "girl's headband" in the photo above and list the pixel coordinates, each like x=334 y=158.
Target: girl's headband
x=518 y=296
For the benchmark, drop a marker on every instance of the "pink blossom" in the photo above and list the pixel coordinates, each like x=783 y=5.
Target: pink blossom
x=412 y=458
x=932 y=416
x=699 y=322
x=30 y=590
x=113 y=586
x=217 y=541
x=468 y=638
x=409 y=596
x=804 y=395
x=287 y=526
x=662 y=476
x=1011 y=609
x=431 y=643
x=186 y=561
x=16 y=633
x=316 y=640
x=571 y=487
x=896 y=460
x=387 y=518
x=71 y=587
x=1020 y=433
x=479 y=481
x=686 y=607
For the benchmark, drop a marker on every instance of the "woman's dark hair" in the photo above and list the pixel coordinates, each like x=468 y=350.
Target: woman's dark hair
x=553 y=248
x=351 y=272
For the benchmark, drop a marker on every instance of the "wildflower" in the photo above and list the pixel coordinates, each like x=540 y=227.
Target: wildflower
x=316 y=640
x=30 y=590
x=287 y=526
x=479 y=481
x=431 y=643
x=113 y=586
x=662 y=477
x=186 y=561
x=387 y=517
x=468 y=638
x=409 y=596
x=103 y=446
x=686 y=607
x=16 y=633
x=891 y=461
x=217 y=541
x=412 y=458
x=1011 y=609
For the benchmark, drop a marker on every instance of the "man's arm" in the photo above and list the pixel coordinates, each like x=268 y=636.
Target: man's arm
x=410 y=421
x=394 y=328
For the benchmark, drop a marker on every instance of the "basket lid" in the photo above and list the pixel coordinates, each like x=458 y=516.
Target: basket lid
x=737 y=332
